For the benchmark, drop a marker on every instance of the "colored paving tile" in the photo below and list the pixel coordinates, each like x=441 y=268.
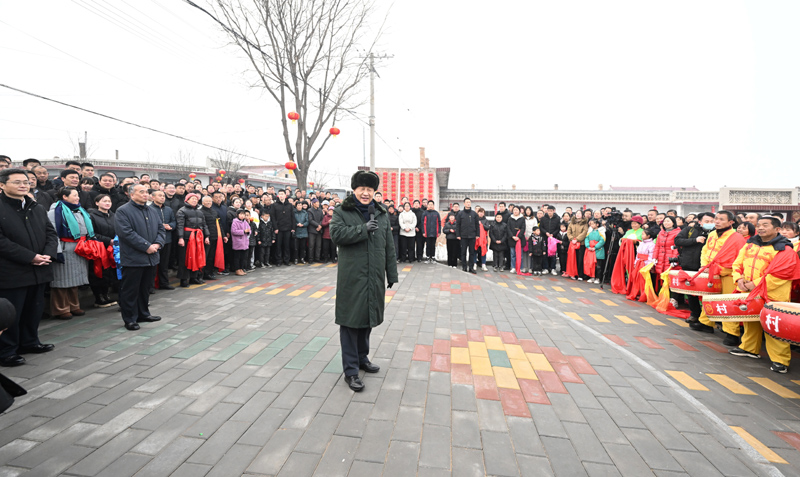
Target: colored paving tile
x=441 y=346
x=539 y=362
x=481 y=366
x=558 y=289
x=586 y=301
x=335 y=364
x=648 y=342
x=280 y=289
x=305 y=355
x=283 y=341
x=238 y=287
x=765 y=451
x=503 y=284
x=505 y=377
x=139 y=338
x=459 y=355
x=530 y=346
x=508 y=337
x=687 y=381
x=485 y=387
x=458 y=341
x=553 y=354
x=730 y=384
x=477 y=349
x=577 y=290
x=440 y=363
x=460 y=373
x=513 y=403
x=264 y=356
x=321 y=292
x=776 y=388
x=98 y=339
x=260 y=287
x=493 y=342
x=550 y=382
x=542 y=298
x=597 y=290
x=599 y=318
x=791 y=438
x=680 y=344
x=609 y=303
x=219 y=285
x=625 y=319
x=474 y=335
x=580 y=365
x=488 y=330
x=521 y=286
x=573 y=315
x=679 y=322
x=301 y=290
x=616 y=339
x=564 y=300
x=653 y=321
x=566 y=374
x=533 y=391
x=203 y=344
x=539 y=287
x=716 y=347
x=515 y=351
x=499 y=358
x=422 y=353
x=522 y=369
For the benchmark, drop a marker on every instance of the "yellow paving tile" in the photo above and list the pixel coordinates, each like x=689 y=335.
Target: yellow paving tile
x=481 y=366
x=476 y=348
x=520 y=285
x=796 y=381
x=334 y=297
x=505 y=377
x=275 y=291
x=407 y=269
x=494 y=342
x=459 y=355
x=539 y=362
x=503 y=284
x=387 y=299
x=236 y=288
x=765 y=451
x=600 y=318
x=539 y=287
x=192 y=287
x=573 y=315
x=597 y=290
x=331 y=265
x=729 y=383
x=255 y=289
x=609 y=303
x=625 y=320
x=653 y=321
x=216 y=287
x=298 y=292
x=316 y=265
x=318 y=294
x=515 y=351
x=781 y=391
x=679 y=322
x=522 y=369
x=564 y=300
x=577 y=290
x=558 y=289
x=688 y=381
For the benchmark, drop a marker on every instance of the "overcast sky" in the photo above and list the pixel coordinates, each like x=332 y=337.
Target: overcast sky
x=533 y=93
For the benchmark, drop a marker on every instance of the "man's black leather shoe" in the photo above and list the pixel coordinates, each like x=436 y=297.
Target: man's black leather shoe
x=166 y=287
x=17 y=360
x=184 y=283
x=355 y=383
x=369 y=367
x=209 y=277
x=40 y=348
x=132 y=326
x=149 y=319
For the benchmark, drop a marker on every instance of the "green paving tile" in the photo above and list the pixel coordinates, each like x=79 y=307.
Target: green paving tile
x=455 y=286
x=193 y=350
x=219 y=335
x=228 y=352
x=265 y=355
x=316 y=344
x=301 y=359
x=157 y=330
x=282 y=341
x=251 y=338
x=127 y=343
x=335 y=366
x=499 y=358
x=188 y=332
x=159 y=347
x=98 y=339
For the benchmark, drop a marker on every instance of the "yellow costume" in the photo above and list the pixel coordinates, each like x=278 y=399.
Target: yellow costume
x=713 y=245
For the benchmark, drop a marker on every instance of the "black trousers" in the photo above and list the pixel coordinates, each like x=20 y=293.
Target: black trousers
x=228 y=248
x=183 y=272
x=262 y=254
x=240 y=260
x=579 y=254
x=211 y=253
x=163 y=265
x=419 y=239
x=396 y=239
x=453 y=250
x=694 y=305
x=498 y=258
x=134 y=292
x=301 y=246
x=173 y=252
x=407 y=248
x=355 y=348
x=467 y=244
x=29 y=305
x=430 y=247
x=314 y=247
x=283 y=247
x=328 y=249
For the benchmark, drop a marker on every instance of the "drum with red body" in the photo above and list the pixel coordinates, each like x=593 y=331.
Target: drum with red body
x=781 y=320
x=700 y=286
x=731 y=307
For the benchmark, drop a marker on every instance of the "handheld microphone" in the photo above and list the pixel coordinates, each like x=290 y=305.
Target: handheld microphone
x=371 y=211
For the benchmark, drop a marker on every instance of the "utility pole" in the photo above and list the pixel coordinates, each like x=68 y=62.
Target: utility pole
x=372 y=74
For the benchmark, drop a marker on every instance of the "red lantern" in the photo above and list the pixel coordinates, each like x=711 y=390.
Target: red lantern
x=241 y=181
x=192 y=176
x=218 y=179
x=221 y=172
x=293 y=116
x=335 y=132
x=291 y=165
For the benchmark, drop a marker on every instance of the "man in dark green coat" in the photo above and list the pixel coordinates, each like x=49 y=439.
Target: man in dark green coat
x=367 y=260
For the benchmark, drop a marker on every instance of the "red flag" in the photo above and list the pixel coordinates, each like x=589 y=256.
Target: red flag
x=195 y=251
x=572 y=259
x=626 y=256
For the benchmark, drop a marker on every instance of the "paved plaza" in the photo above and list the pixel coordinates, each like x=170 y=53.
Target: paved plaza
x=488 y=374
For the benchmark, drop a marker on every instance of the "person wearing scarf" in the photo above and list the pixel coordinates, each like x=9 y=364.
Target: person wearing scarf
x=72 y=223
x=192 y=233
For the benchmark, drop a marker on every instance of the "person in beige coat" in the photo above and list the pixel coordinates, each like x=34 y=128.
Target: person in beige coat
x=576 y=232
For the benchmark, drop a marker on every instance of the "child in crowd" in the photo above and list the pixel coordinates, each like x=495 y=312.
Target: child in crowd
x=537 y=249
x=563 y=248
x=453 y=245
x=240 y=234
x=266 y=237
x=482 y=241
x=498 y=237
x=594 y=242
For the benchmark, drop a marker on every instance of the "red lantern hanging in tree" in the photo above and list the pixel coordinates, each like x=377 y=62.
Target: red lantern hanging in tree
x=293 y=116
x=222 y=172
x=241 y=181
x=311 y=184
x=218 y=179
x=192 y=176
x=335 y=132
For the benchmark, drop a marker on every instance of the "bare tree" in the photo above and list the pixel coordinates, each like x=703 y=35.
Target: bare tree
x=184 y=160
x=76 y=142
x=320 y=180
x=309 y=56
x=229 y=161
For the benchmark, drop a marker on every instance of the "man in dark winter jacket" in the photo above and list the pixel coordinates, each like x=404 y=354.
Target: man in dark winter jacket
x=467 y=229
x=431 y=227
x=283 y=218
x=690 y=243
x=106 y=186
x=314 y=231
x=28 y=243
x=141 y=234
x=419 y=238
x=167 y=217
x=367 y=260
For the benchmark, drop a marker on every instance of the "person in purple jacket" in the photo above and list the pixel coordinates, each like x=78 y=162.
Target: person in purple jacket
x=240 y=235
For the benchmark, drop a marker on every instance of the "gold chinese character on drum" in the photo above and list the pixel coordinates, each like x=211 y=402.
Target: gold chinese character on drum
x=781 y=320
x=732 y=307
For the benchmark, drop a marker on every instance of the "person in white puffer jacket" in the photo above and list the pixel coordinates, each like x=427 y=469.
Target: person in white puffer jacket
x=408 y=223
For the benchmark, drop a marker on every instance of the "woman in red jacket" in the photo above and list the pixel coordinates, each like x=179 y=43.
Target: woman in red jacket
x=665 y=245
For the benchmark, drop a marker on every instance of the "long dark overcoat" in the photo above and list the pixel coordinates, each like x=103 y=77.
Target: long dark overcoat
x=366 y=261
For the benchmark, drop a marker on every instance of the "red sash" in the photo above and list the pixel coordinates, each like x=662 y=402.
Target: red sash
x=219 y=254
x=590 y=259
x=625 y=260
x=572 y=259
x=724 y=258
x=195 y=251
x=95 y=251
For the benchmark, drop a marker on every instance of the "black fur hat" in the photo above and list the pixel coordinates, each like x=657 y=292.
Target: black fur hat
x=365 y=179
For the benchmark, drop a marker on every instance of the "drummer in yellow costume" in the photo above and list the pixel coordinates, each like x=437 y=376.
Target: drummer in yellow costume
x=723 y=231
x=748 y=272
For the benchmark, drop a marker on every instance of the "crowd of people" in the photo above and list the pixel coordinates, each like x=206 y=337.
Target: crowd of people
x=221 y=229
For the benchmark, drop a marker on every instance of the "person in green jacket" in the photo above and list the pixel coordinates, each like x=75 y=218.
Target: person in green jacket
x=599 y=240
x=367 y=260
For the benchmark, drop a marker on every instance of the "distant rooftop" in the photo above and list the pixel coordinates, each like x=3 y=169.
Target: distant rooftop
x=654 y=189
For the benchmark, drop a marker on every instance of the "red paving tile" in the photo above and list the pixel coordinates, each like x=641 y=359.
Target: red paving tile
x=580 y=365
x=458 y=341
x=635 y=305
x=441 y=363
x=461 y=374
x=489 y=330
x=422 y=353
x=434 y=285
x=566 y=373
x=530 y=346
x=485 y=387
x=514 y=403
x=508 y=337
x=465 y=287
x=587 y=301
x=680 y=344
x=714 y=346
x=474 y=335
x=533 y=391
x=475 y=287
x=616 y=339
x=390 y=292
x=455 y=282
x=791 y=438
x=455 y=291
x=553 y=354
x=441 y=346
x=648 y=342
x=504 y=276
x=550 y=382
x=542 y=298
x=269 y=284
x=326 y=289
